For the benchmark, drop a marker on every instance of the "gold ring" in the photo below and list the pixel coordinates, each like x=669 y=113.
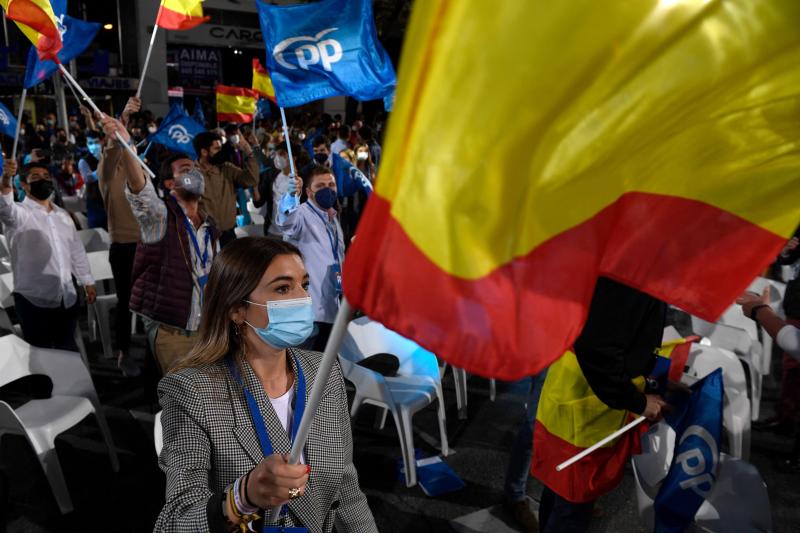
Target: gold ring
x=294 y=493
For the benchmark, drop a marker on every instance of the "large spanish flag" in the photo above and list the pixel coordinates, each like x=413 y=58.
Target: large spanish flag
x=37 y=21
x=235 y=104
x=262 y=84
x=180 y=14
x=570 y=418
x=537 y=145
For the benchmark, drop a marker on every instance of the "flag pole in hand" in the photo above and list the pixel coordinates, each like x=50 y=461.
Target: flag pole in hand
x=288 y=143
x=96 y=109
x=19 y=122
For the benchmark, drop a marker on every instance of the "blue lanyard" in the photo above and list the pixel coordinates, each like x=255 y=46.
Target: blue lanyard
x=333 y=239
x=255 y=412
x=192 y=235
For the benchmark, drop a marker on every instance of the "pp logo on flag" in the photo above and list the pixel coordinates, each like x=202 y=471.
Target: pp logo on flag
x=179 y=134
x=314 y=51
x=4 y=118
x=700 y=474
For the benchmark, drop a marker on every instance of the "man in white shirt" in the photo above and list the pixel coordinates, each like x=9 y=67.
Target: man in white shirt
x=341 y=142
x=45 y=253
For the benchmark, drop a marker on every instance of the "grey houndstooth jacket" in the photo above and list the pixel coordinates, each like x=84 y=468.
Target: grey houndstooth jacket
x=209 y=441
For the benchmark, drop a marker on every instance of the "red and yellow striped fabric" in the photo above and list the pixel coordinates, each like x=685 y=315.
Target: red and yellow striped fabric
x=262 y=83
x=535 y=146
x=570 y=418
x=180 y=14
x=235 y=104
x=37 y=21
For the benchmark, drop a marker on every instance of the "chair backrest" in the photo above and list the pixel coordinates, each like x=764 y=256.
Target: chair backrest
x=6 y=290
x=670 y=334
x=5 y=251
x=15 y=359
x=365 y=338
x=724 y=336
x=95 y=239
x=101 y=268
x=83 y=221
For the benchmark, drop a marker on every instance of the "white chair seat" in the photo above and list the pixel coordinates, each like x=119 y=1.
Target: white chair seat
x=47 y=418
x=413 y=398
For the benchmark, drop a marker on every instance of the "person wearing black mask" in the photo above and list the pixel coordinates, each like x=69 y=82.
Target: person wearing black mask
x=45 y=253
x=314 y=228
x=222 y=178
x=322 y=151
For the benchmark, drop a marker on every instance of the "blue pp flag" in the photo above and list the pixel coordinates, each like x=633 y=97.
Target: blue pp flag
x=177 y=131
x=263 y=111
x=698 y=426
x=198 y=113
x=76 y=35
x=8 y=124
x=349 y=178
x=325 y=49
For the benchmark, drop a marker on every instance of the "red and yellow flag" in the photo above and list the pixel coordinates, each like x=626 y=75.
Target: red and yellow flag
x=180 y=14
x=570 y=418
x=262 y=84
x=37 y=21
x=235 y=104
x=535 y=146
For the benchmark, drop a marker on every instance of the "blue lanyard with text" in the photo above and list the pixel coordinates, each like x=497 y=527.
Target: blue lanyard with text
x=193 y=235
x=331 y=237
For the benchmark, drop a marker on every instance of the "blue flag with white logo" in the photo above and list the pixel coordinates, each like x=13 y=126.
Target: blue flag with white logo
x=325 y=49
x=698 y=426
x=76 y=36
x=8 y=124
x=349 y=178
x=177 y=131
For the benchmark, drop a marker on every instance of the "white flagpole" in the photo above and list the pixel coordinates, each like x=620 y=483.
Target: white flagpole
x=19 y=123
x=331 y=353
x=574 y=459
x=288 y=144
x=96 y=109
x=147 y=58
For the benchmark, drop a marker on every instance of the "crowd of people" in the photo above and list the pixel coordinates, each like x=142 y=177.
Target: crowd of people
x=234 y=323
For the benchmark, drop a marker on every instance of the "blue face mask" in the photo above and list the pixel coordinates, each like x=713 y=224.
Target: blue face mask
x=325 y=198
x=95 y=148
x=291 y=322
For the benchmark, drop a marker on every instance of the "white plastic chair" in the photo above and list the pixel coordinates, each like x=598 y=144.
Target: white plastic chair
x=95 y=239
x=741 y=343
x=83 y=221
x=460 y=385
x=74 y=204
x=738 y=500
x=702 y=361
x=257 y=219
x=251 y=230
x=41 y=421
x=158 y=433
x=98 y=312
x=416 y=385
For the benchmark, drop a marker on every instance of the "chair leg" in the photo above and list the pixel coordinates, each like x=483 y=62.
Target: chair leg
x=492 y=389
x=104 y=429
x=81 y=346
x=445 y=447
x=105 y=332
x=380 y=417
x=357 y=401
x=402 y=420
x=52 y=469
x=91 y=322
x=460 y=383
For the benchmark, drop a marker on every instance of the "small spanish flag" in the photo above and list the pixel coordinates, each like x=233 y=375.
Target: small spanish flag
x=180 y=14
x=37 y=21
x=235 y=104
x=262 y=84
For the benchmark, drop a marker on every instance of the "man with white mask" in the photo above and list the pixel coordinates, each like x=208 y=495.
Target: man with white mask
x=178 y=241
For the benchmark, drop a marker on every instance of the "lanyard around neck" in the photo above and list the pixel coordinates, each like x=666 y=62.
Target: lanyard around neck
x=255 y=412
x=203 y=256
x=333 y=237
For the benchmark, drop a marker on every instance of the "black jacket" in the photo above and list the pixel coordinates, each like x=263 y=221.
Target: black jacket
x=618 y=343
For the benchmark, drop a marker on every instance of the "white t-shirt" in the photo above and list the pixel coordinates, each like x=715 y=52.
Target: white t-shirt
x=283 y=408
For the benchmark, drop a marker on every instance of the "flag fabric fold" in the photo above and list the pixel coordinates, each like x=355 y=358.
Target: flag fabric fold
x=37 y=21
x=77 y=36
x=177 y=131
x=180 y=14
x=324 y=49
x=262 y=84
x=8 y=124
x=654 y=147
x=235 y=104
x=349 y=179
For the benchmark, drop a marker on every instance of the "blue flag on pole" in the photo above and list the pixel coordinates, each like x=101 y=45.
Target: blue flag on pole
x=349 y=178
x=8 y=124
x=198 y=113
x=177 y=131
x=698 y=426
x=325 y=49
x=76 y=35
x=263 y=111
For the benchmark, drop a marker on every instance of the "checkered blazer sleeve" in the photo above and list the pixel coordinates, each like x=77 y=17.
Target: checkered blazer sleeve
x=353 y=515
x=185 y=457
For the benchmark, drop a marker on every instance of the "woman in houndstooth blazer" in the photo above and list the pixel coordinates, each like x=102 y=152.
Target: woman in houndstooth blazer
x=217 y=473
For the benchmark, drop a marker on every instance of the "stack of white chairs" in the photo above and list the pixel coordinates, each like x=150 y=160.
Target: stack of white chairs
x=95 y=239
x=416 y=385
x=41 y=421
x=98 y=313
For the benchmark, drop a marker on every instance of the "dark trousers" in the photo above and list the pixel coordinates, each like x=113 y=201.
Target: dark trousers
x=557 y=515
x=121 y=256
x=47 y=327
x=229 y=235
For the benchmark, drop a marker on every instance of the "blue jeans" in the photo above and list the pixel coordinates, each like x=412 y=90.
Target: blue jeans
x=519 y=464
